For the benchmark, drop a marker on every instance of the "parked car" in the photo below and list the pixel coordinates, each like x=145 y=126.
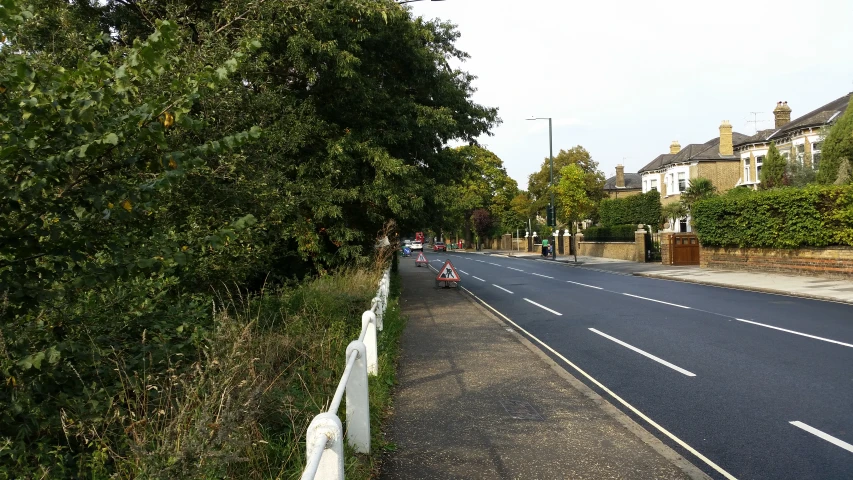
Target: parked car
x=439 y=247
x=417 y=246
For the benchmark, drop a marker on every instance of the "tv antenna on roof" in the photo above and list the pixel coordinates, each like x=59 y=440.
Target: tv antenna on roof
x=755 y=121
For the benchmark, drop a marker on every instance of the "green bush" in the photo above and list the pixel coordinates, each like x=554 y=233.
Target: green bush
x=644 y=208
x=814 y=216
x=617 y=233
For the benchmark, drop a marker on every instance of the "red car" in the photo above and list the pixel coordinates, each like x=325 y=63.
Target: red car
x=439 y=247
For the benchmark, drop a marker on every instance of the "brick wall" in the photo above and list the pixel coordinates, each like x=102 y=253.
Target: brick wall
x=829 y=261
x=724 y=174
x=615 y=250
x=665 y=256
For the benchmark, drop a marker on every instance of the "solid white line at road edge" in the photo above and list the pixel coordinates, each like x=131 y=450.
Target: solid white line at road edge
x=644 y=353
x=502 y=288
x=478 y=278
x=543 y=307
x=627 y=405
x=658 y=301
x=796 y=333
x=829 y=438
x=585 y=285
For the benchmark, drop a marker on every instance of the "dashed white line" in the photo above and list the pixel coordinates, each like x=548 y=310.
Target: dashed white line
x=478 y=278
x=644 y=353
x=585 y=285
x=829 y=438
x=796 y=333
x=481 y=261
x=612 y=394
x=495 y=264
x=463 y=271
x=516 y=269
x=502 y=288
x=540 y=275
x=543 y=307
x=658 y=301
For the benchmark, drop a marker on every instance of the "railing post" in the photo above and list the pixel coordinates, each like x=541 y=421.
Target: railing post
x=368 y=324
x=378 y=301
x=331 y=466
x=358 y=408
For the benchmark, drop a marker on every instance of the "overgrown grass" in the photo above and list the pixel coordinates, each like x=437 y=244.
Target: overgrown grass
x=242 y=408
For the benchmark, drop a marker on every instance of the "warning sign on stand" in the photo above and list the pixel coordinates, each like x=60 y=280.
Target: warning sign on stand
x=421 y=260
x=447 y=274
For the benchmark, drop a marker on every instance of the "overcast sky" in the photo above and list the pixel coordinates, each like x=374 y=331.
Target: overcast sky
x=625 y=78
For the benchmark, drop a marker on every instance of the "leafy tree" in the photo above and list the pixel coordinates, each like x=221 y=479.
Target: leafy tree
x=699 y=188
x=574 y=201
x=673 y=212
x=520 y=208
x=773 y=173
x=482 y=221
x=538 y=185
x=843 y=177
x=800 y=175
x=837 y=145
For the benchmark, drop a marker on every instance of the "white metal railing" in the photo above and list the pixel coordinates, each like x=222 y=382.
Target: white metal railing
x=324 y=439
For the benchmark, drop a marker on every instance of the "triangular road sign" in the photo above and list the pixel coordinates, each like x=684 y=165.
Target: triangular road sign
x=421 y=260
x=448 y=273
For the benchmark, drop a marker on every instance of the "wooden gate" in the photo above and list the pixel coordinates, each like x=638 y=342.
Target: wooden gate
x=684 y=249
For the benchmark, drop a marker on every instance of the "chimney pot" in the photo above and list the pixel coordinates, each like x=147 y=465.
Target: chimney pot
x=782 y=113
x=674 y=147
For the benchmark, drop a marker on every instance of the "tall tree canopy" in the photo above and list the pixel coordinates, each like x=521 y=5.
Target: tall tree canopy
x=538 y=184
x=837 y=146
x=153 y=151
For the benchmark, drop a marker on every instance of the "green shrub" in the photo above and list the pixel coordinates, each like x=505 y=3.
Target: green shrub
x=814 y=216
x=644 y=208
x=618 y=233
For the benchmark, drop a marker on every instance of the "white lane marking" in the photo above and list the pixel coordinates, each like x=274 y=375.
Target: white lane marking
x=829 y=438
x=585 y=285
x=644 y=353
x=495 y=264
x=481 y=261
x=502 y=288
x=658 y=301
x=606 y=390
x=796 y=333
x=540 y=275
x=462 y=271
x=478 y=278
x=543 y=307
x=516 y=269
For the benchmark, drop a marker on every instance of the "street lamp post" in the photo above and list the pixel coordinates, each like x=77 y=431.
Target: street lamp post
x=553 y=206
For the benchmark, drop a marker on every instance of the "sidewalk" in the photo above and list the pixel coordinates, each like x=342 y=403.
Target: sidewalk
x=818 y=288
x=477 y=401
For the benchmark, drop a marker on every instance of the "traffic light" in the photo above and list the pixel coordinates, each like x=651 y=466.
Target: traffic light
x=552 y=217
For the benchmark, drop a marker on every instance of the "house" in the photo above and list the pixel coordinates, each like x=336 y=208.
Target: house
x=623 y=184
x=798 y=140
x=670 y=173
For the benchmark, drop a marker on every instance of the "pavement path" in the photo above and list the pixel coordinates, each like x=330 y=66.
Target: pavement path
x=744 y=384
x=476 y=400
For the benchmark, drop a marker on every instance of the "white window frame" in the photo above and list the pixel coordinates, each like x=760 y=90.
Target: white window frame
x=816 y=147
x=759 y=162
x=746 y=170
x=801 y=155
x=653 y=184
x=682 y=181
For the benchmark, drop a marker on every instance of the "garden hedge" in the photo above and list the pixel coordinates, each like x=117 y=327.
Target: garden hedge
x=644 y=208
x=617 y=233
x=814 y=216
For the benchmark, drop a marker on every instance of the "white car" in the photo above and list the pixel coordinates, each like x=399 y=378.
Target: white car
x=417 y=246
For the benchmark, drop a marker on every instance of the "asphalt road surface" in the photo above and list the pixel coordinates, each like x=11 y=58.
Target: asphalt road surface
x=745 y=385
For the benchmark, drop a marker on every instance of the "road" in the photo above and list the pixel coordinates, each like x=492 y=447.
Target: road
x=745 y=385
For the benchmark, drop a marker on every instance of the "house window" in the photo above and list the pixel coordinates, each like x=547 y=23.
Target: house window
x=654 y=185
x=787 y=156
x=759 y=161
x=816 y=154
x=801 y=153
x=645 y=185
x=746 y=170
x=682 y=181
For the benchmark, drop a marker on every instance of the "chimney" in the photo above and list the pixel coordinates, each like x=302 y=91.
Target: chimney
x=726 y=147
x=674 y=147
x=620 y=176
x=782 y=112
